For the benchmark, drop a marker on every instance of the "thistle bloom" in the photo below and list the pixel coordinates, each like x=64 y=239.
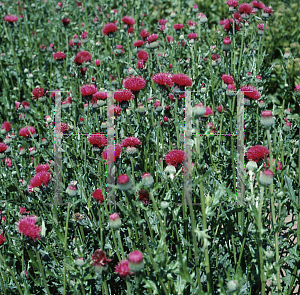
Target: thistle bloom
x=98 y=141
x=6 y=127
x=25 y=132
x=136 y=262
x=81 y=57
x=59 y=56
x=131 y=142
x=39 y=179
x=11 y=18
x=97 y=194
x=115 y=221
x=267 y=119
x=163 y=79
x=257 y=152
x=245 y=9
x=267 y=164
x=128 y=21
x=2 y=238
x=178 y=26
x=182 y=80
x=99 y=260
x=72 y=189
x=27 y=226
x=123 y=95
x=38 y=92
x=152 y=38
x=144 y=196
x=124 y=182
x=138 y=43
x=228 y=79
x=88 y=90
x=250 y=92
x=134 y=83
x=143 y=55
x=175 y=157
x=192 y=36
x=123 y=270
x=266 y=177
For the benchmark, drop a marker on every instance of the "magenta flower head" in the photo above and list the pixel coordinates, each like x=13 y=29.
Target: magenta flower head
x=163 y=79
x=178 y=27
x=134 y=84
x=98 y=141
x=27 y=226
x=267 y=119
x=226 y=44
x=99 y=261
x=124 y=182
x=147 y=179
x=257 y=6
x=6 y=127
x=115 y=221
x=266 y=177
x=123 y=270
x=10 y=18
x=297 y=90
x=257 y=152
x=27 y=132
x=182 y=80
x=88 y=90
x=250 y=92
x=59 y=56
x=175 y=157
x=97 y=194
x=136 y=262
x=232 y=5
x=245 y=9
x=128 y=21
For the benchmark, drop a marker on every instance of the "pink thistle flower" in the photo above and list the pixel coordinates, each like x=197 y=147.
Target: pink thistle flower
x=192 y=36
x=24 y=132
x=228 y=79
x=134 y=83
x=138 y=43
x=144 y=34
x=178 y=26
x=175 y=157
x=131 y=142
x=250 y=92
x=143 y=54
x=136 y=262
x=88 y=89
x=182 y=80
x=122 y=269
x=59 y=56
x=27 y=226
x=128 y=21
x=11 y=18
x=163 y=79
x=97 y=195
x=123 y=95
x=6 y=127
x=257 y=152
x=99 y=260
x=38 y=92
x=98 y=141
x=257 y=5
x=232 y=3
x=152 y=38
x=2 y=238
x=42 y=167
x=81 y=57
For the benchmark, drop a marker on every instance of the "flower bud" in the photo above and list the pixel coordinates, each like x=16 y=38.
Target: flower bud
x=136 y=262
x=266 y=177
x=115 y=221
x=267 y=119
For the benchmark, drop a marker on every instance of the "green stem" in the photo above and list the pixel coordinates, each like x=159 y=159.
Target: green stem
x=207 y=265
x=42 y=272
x=241 y=52
x=261 y=261
x=12 y=274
